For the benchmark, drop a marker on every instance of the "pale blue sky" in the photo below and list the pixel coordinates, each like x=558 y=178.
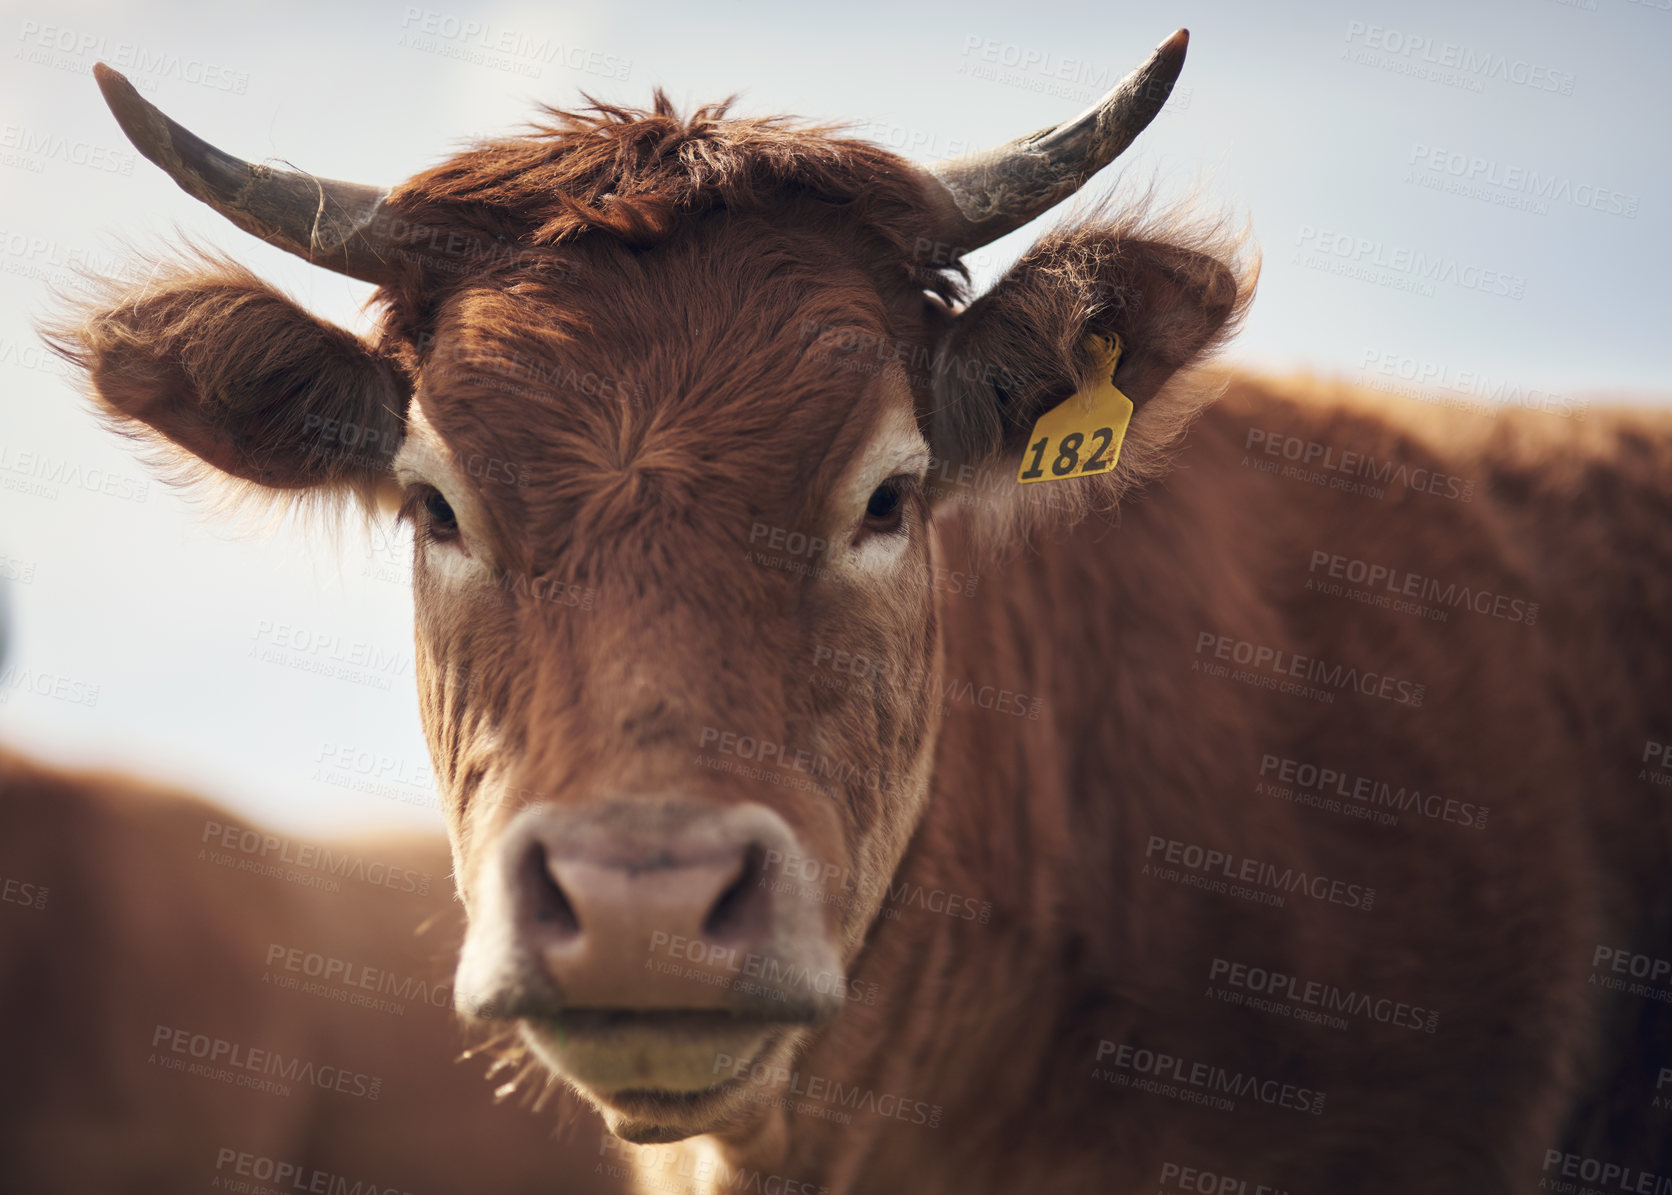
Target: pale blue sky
x=1519 y=148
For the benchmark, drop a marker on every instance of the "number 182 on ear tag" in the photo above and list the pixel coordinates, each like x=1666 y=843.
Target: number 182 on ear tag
x=1081 y=436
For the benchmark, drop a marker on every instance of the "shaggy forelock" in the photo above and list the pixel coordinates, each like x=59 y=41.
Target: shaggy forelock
x=642 y=177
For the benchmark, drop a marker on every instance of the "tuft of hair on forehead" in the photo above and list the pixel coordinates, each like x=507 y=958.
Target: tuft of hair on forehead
x=642 y=175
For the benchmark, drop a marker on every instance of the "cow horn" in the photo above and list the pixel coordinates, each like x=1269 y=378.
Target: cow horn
x=982 y=196
x=330 y=223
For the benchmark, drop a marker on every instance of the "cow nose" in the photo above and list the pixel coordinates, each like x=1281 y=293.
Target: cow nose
x=578 y=909
x=646 y=906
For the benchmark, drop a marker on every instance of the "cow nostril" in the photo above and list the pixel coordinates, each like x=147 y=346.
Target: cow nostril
x=549 y=905
x=740 y=908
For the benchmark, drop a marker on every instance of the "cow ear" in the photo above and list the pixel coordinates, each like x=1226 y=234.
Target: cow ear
x=1171 y=295
x=213 y=361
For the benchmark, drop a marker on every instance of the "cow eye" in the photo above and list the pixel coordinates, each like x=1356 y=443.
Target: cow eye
x=439 y=524
x=442 y=518
x=885 y=512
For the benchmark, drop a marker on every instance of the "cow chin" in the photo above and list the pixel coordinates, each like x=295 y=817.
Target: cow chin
x=677 y=1054
x=657 y=1079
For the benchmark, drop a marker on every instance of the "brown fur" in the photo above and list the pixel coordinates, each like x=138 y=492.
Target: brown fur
x=754 y=294
x=1493 y=929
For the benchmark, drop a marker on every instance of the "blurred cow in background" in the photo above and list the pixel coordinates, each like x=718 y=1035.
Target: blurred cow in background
x=192 y=1003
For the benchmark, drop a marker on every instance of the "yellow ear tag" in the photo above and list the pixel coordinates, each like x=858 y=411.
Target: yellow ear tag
x=1081 y=436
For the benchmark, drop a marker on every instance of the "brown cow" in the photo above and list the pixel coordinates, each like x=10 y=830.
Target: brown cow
x=197 y=1004
x=800 y=822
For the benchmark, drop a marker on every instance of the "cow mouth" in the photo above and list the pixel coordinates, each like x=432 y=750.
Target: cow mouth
x=653 y=1064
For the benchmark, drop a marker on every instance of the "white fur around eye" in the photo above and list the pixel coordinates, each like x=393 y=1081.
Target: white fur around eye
x=425 y=459
x=895 y=449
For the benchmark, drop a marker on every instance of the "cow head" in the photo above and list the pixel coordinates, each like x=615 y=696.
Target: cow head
x=660 y=399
